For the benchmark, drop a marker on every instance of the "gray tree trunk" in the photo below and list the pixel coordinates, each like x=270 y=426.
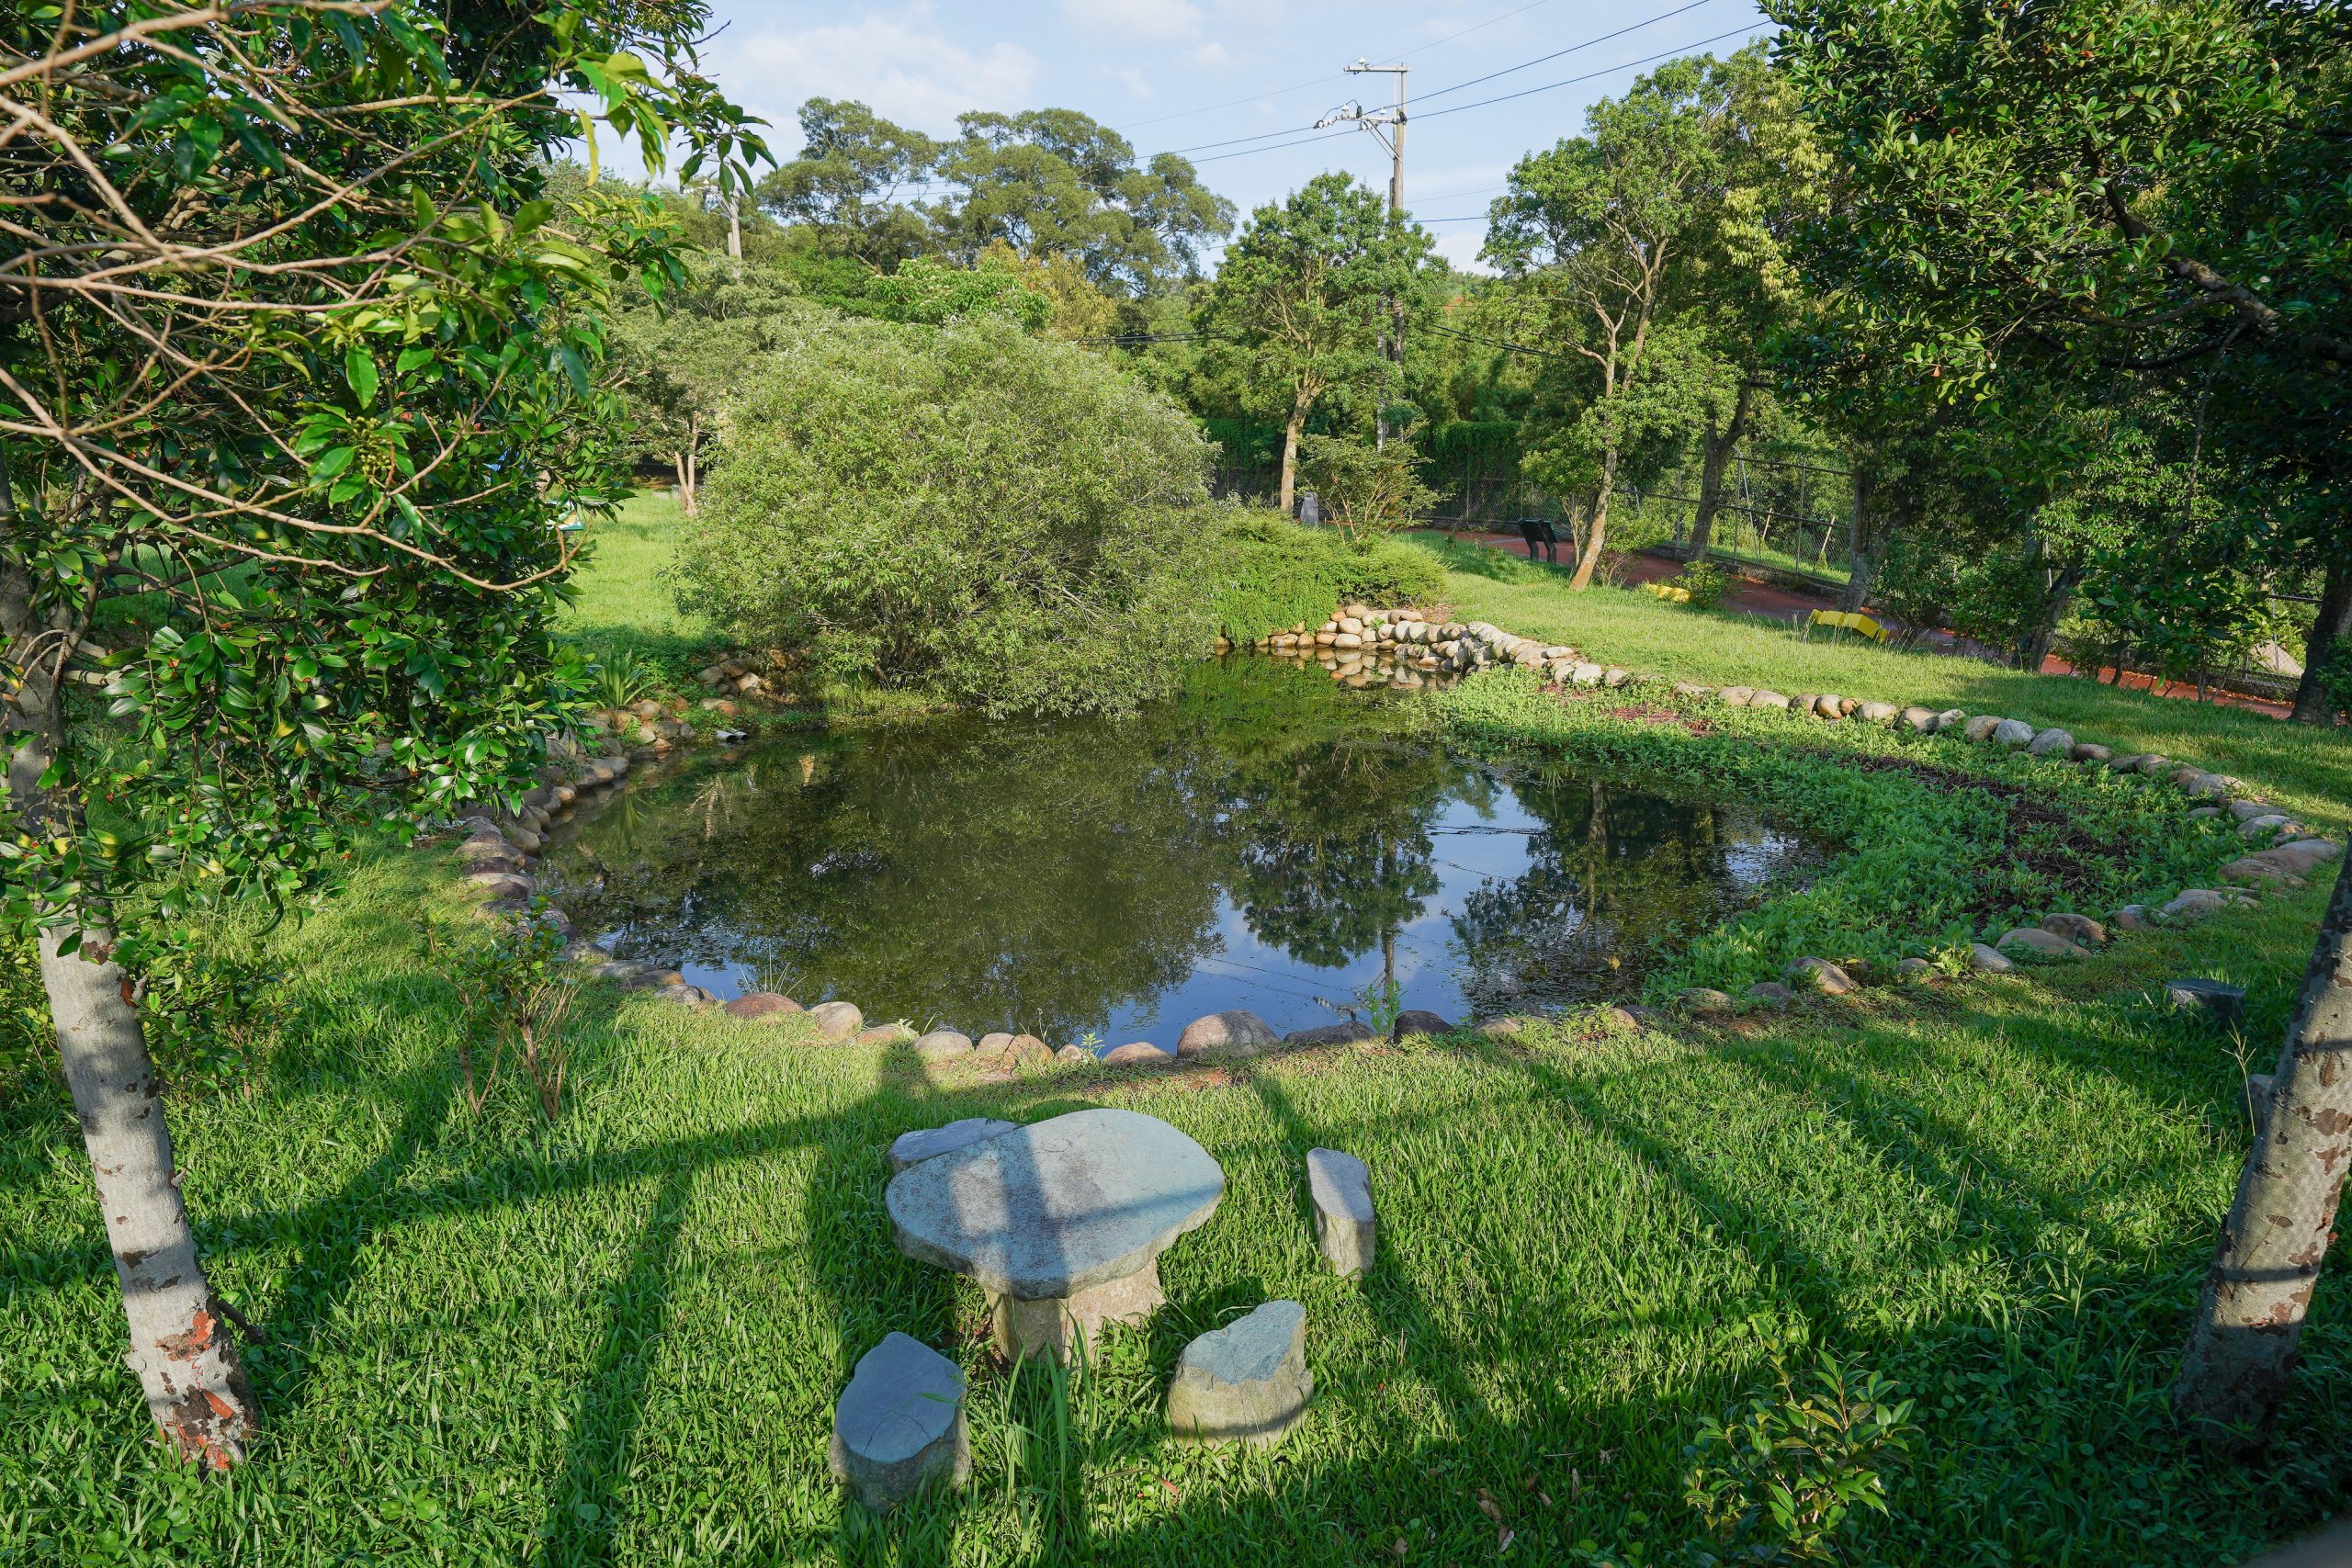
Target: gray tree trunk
x=185 y=1355
x=1862 y=555
x=2331 y=631
x=1715 y=450
x=2242 y=1348
x=186 y=1362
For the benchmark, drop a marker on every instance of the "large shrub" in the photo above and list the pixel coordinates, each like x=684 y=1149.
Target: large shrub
x=967 y=510
x=1267 y=573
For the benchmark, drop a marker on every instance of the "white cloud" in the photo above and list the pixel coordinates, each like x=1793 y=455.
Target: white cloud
x=1157 y=19
x=905 y=72
x=1138 y=84
x=1459 y=243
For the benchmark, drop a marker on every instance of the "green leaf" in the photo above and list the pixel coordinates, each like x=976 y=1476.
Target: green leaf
x=359 y=370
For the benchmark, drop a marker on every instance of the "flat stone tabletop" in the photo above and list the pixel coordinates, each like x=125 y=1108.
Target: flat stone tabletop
x=1058 y=1207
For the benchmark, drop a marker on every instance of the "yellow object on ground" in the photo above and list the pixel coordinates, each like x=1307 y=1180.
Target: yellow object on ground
x=1668 y=590
x=1852 y=620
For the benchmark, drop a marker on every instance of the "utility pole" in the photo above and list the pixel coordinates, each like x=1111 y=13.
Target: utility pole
x=1389 y=127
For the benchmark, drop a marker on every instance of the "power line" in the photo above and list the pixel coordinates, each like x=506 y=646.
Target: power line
x=1587 y=43
x=1302 y=86
x=1605 y=71
x=1524 y=64
x=1246 y=151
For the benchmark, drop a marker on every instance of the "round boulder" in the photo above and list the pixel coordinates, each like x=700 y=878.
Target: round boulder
x=837 y=1022
x=1237 y=1029
x=762 y=1004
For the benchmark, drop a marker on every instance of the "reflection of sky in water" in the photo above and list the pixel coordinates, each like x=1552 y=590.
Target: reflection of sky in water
x=1475 y=843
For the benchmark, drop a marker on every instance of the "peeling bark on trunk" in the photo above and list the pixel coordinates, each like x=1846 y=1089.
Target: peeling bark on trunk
x=2330 y=632
x=2243 y=1349
x=186 y=1362
x=1717 y=450
x=181 y=1348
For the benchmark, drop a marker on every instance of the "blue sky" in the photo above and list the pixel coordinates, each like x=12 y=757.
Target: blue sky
x=1180 y=75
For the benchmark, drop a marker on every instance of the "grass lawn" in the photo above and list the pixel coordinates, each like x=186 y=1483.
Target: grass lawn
x=617 y=1340
x=2305 y=768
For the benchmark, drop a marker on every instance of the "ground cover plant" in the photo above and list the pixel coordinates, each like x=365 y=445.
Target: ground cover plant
x=1945 y=843
x=1267 y=574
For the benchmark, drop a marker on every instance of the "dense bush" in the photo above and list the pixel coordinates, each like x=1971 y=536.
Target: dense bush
x=1268 y=573
x=967 y=510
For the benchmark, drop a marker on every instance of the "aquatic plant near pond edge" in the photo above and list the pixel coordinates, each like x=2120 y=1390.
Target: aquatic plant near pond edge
x=1784 y=1471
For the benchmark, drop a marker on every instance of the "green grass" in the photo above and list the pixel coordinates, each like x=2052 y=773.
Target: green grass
x=624 y=599
x=618 y=1341
x=2304 y=768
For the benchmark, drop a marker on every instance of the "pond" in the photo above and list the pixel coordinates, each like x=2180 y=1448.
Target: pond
x=1265 y=840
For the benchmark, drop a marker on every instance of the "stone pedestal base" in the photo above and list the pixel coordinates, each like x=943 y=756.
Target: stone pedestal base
x=1053 y=1326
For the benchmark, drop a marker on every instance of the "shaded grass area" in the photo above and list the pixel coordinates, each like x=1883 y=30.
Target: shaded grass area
x=2306 y=768
x=618 y=1341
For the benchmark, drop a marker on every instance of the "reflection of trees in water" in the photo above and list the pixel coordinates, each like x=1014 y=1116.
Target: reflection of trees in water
x=1613 y=874
x=1047 y=876
x=1335 y=847
x=1038 y=877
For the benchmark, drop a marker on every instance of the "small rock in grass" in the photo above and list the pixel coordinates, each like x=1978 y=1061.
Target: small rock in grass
x=1992 y=961
x=1737 y=696
x=1246 y=1383
x=1414 y=1021
x=1829 y=704
x=899 y=1424
x=503 y=884
x=1586 y=674
x=1980 y=729
x=1950 y=718
x=1770 y=991
x=1074 y=1055
x=2051 y=742
x=2012 y=732
x=2204 y=813
x=887 y=1034
x=2195 y=904
x=2255 y=1098
x=1916 y=969
x=1347 y=1033
x=2152 y=764
x=1693 y=689
x=1876 y=712
x=1768 y=700
x=2129 y=763
x=837 y=1022
x=1705 y=998
x=2220 y=1004
x=2040 y=942
x=762 y=1004
x=2298 y=858
x=2090 y=752
x=944 y=1042
x=2208 y=786
x=930 y=1143
x=1027 y=1048
x=1345 y=1229
x=2076 y=928
x=2258 y=826
x=2130 y=917
x=1237 y=1029
x=2246 y=810
x=1820 y=974
x=994 y=1043
x=1919 y=721
x=1137 y=1053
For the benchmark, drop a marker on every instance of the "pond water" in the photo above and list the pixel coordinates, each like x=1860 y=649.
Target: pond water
x=1264 y=841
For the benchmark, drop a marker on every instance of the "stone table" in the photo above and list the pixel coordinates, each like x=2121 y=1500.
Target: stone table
x=1062 y=1223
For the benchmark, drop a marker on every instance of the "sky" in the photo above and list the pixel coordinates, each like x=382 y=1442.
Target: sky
x=1228 y=81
